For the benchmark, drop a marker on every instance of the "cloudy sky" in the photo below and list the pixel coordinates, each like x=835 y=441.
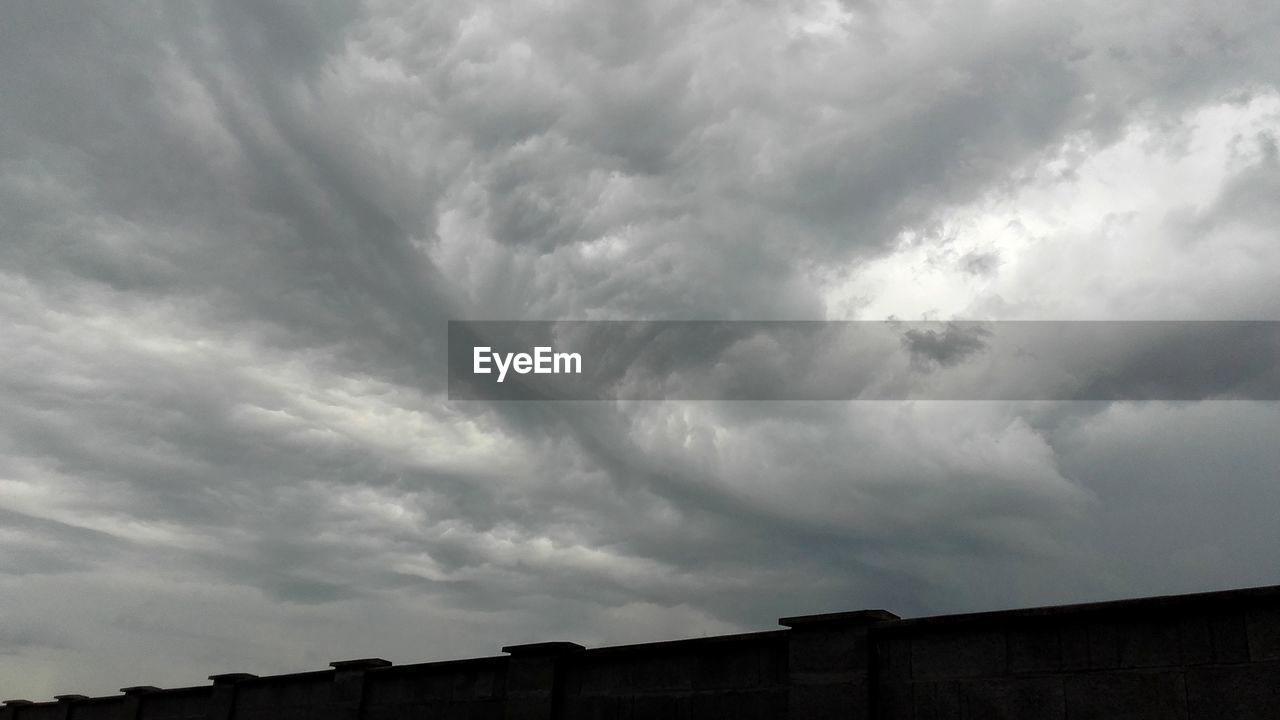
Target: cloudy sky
x=232 y=232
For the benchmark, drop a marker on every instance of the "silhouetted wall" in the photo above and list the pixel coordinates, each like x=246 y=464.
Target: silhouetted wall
x=1192 y=657
x=1215 y=655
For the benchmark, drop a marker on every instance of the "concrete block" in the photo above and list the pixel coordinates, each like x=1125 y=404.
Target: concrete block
x=1230 y=638
x=40 y=711
x=1196 y=639
x=221 y=704
x=231 y=678
x=937 y=700
x=663 y=707
x=838 y=650
x=827 y=621
x=650 y=674
x=603 y=679
x=130 y=706
x=743 y=705
x=656 y=707
x=462 y=687
x=1249 y=692
x=824 y=701
x=484 y=684
x=104 y=709
x=454 y=711
x=453 y=687
x=531 y=678
x=597 y=707
x=440 y=687
x=1264 y=634
x=9 y=708
x=831 y=643
x=531 y=675
x=415 y=688
x=721 y=670
x=1073 y=642
x=958 y=654
x=1126 y=695
x=187 y=703
x=277 y=694
x=346 y=691
x=1041 y=698
x=488 y=710
x=1104 y=652
x=462 y=711
x=893 y=701
x=543 y=649
x=1148 y=644
x=894 y=654
x=775 y=666
x=359 y=664
x=66 y=704
x=1034 y=649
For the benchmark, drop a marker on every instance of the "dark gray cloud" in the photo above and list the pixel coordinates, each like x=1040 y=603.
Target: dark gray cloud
x=945 y=348
x=980 y=263
x=231 y=235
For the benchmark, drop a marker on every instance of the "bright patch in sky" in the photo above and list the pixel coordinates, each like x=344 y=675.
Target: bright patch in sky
x=1069 y=238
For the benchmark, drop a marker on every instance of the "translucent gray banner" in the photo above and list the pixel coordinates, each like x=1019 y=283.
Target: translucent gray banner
x=881 y=360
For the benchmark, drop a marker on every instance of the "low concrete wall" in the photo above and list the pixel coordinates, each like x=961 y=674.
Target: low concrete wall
x=739 y=676
x=1197 y=657
x=1192 y=657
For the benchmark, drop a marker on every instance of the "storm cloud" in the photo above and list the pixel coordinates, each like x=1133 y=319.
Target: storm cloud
x=232 y=234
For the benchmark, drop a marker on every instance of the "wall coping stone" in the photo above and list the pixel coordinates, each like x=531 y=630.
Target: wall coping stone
x=360 y=664
x=443 y=665
x=692 y=644
x=542 y=648
x=826 y=620
x=1143 y=608
x=231 y=678
x=317 y=675
x=139 y=689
